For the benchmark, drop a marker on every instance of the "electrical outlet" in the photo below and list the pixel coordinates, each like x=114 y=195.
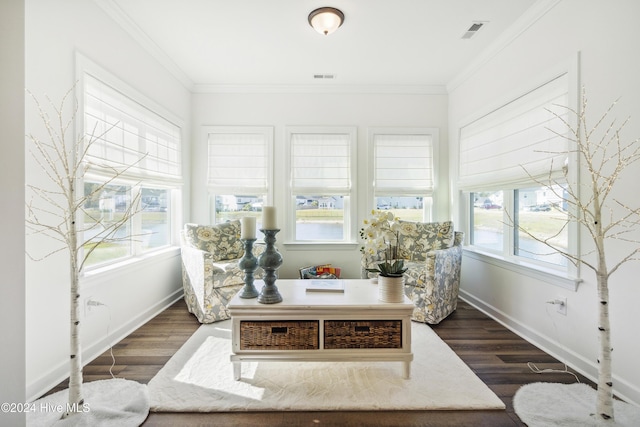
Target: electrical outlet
x=88 y=306
x=561 y=305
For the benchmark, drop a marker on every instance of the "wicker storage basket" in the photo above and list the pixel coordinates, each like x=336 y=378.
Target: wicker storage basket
x=279 y=335
x=362 y=334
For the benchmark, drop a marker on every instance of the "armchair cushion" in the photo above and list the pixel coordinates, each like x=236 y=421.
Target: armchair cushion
x=222 y=241
x=418 y=238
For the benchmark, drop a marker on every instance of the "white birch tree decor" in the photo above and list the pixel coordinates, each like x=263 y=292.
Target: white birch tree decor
x=593 y=206
x=57 y=213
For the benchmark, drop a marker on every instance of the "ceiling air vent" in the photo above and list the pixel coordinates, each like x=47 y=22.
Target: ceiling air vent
x=473 y=29
x=324 y=76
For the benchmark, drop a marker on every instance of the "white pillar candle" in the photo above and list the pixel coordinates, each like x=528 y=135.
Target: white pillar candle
x=269 y=218
x=248 y=229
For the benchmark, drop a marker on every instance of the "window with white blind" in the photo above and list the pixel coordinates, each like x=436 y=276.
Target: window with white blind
x=514 y=165
x=322 y=183
x=518 y=143
x=125 y=137
x=130 y=135
x=239 y=171
x=403 y=171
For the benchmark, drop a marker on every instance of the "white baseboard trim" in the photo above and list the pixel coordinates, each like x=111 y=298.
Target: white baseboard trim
x=58 y=374
x=624 y=390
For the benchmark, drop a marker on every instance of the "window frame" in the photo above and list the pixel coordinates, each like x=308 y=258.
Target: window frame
x=350 y=197
x=267 y=134
x=565 y=277
x=428 y=196
x=135 y=180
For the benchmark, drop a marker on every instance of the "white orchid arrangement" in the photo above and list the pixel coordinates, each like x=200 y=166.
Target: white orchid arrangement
x=380 y=232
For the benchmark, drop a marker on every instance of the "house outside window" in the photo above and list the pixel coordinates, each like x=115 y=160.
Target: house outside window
x=514 y=168
x=322 y=167
x=145 y=148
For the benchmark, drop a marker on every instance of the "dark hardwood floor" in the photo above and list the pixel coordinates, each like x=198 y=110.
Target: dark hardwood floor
x=495 y=354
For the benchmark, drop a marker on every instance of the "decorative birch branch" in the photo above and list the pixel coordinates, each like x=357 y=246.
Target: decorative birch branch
x=593 y=207
x=56 y=212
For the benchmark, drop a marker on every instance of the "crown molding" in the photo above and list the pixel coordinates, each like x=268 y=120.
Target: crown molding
x=131 y=28
x=539 y=9
x=322 y=89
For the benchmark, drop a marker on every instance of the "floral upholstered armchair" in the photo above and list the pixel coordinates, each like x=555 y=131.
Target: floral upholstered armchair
x=210 y=272
x=433 y=255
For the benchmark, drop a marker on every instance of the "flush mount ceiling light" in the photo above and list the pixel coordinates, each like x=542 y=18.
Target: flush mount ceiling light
x=326 y=20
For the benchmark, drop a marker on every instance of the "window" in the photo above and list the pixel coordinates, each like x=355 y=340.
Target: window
x=322 y=168
x=155 y=217
x=130 y=135
x=402 y=164
x=239 y=171
x=514 y=164
x=144 y=150
x=541 y=211
x=487 y=220
x=109 y=206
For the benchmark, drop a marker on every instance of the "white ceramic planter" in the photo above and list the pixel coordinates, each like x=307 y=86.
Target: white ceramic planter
x=391 y=289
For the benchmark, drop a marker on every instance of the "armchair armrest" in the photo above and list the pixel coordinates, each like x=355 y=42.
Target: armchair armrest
x=193 y=260
x=443 y=262
x=436 y=296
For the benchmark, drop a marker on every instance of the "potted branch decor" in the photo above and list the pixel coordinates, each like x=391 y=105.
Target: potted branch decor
x=57 y=213
x=594 y=208
x=381 y=233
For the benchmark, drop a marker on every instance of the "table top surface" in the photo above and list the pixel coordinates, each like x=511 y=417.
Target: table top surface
x=358 y=293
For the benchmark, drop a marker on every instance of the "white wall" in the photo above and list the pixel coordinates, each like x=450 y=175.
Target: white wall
x=311 y=109
x=12 y=265
x=55 y=31
x=606 y=35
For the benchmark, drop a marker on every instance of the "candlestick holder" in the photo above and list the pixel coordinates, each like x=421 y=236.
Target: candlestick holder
x=248 y=263
x=270 y=260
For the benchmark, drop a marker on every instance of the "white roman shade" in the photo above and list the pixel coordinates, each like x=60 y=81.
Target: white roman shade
x=516 y=144
x=239 y=161
x=403 y=164
x=129 y=134
x=321 y=163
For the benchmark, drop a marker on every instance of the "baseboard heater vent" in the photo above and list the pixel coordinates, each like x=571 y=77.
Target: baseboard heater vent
x=324 y=76
x=473 y=29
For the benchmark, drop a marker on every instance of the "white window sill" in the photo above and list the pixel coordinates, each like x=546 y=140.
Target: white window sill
x=320 y=246
x=549 y=275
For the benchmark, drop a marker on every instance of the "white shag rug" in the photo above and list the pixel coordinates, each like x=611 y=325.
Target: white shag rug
x=108 y=403
x=199 y=378
x=567 y=405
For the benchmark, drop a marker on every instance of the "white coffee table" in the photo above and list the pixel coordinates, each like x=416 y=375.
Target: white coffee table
x=321 y=326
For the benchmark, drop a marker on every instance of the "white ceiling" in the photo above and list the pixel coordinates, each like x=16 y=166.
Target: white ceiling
x=269 y=42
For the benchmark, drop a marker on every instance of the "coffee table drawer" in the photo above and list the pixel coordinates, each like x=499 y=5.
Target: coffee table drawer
x=340 y=334
x=279 y=335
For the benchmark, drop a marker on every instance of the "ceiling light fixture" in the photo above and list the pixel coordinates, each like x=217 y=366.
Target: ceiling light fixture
x=326 y=20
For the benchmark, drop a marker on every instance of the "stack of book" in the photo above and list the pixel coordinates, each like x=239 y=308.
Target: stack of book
x=324 y=271
x=321 y=285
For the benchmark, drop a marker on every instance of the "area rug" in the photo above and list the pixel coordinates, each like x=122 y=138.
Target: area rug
x=567 y=405
x=108 y=403
x=199 y=378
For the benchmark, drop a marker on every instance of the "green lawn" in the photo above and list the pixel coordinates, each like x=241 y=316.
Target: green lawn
x=542 y=224
x=112 y=250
